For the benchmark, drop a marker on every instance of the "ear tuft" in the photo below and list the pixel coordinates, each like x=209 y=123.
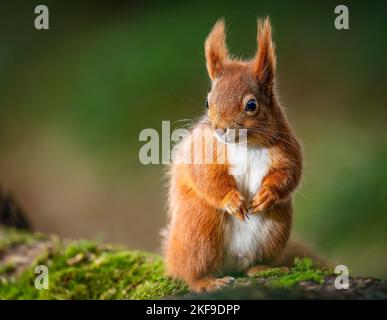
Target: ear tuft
x=215 y=49
x=264 y=63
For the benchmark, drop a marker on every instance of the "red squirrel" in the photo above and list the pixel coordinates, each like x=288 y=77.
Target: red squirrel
x=222 y=223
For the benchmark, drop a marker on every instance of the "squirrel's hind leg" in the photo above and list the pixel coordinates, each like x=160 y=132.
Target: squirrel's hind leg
x=195 y=243
x=209 y=284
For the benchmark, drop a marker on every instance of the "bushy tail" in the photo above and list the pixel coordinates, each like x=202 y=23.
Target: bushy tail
x=295 y=249
x=11 y=214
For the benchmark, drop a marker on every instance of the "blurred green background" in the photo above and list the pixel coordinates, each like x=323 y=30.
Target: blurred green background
x=73 y=100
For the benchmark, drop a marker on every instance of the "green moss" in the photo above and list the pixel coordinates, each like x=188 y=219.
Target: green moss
x=86 y=270
x=273 y=272
x=92 y=270
x=303 y=270
x=12 y=237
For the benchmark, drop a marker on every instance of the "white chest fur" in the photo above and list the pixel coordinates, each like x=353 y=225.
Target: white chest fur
x=243 y=240
x=248 y=165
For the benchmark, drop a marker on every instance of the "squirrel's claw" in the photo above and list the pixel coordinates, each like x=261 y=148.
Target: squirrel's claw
x=234 y=205
x=235 y=212
x=263 y=200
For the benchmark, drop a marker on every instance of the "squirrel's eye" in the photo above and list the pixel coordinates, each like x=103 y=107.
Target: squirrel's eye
x=206 y=103
x=251 y=105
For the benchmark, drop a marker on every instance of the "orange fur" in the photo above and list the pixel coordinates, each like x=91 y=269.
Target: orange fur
x=199 y=193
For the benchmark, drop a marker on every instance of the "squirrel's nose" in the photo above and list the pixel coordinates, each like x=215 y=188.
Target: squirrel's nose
x=220 y=127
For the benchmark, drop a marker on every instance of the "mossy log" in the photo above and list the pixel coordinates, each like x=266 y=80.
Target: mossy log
x=86 y=269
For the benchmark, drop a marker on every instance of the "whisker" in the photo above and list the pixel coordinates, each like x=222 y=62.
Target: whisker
x=191 y=122
x=274 y=136
x=301 y=194
x=183 y=120
x=266 y=135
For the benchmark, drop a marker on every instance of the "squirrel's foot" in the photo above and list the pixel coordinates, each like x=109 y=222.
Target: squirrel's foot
x=256 y=269
x=260 y=267
x=211 y=284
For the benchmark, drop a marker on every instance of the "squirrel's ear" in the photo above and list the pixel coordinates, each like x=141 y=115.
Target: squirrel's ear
x=264 y=62
x=216 y=50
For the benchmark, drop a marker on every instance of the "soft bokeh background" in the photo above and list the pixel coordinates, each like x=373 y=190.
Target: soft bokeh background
x=74 y=99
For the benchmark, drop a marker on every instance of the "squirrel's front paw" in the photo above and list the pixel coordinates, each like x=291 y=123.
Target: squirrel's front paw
x=234 y=204
x=264 y=199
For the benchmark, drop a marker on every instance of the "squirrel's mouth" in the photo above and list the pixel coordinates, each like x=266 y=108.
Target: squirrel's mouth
x=220 y=137
x=231 y=136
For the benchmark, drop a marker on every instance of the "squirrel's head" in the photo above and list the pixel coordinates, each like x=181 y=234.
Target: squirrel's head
x=242 y=95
